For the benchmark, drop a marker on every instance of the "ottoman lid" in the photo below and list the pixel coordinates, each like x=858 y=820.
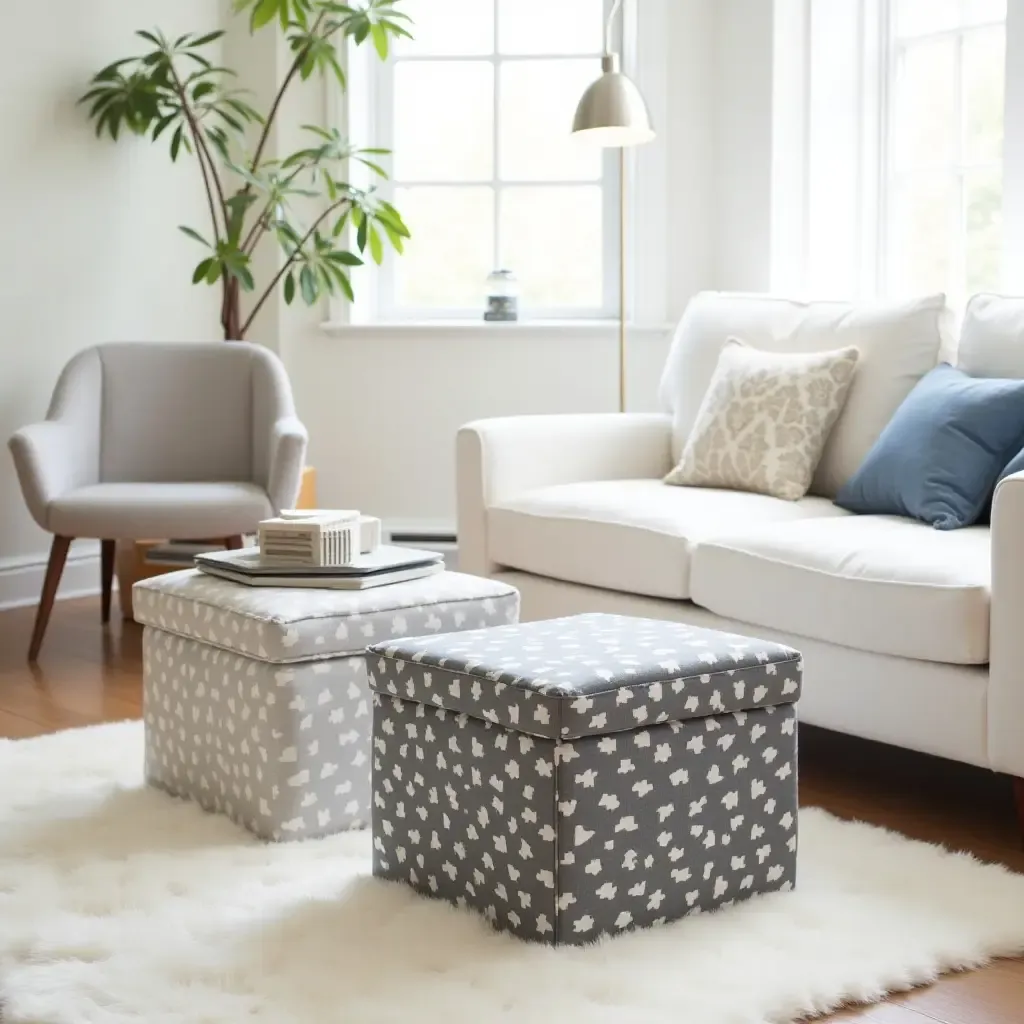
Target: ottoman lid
x=290 y=624
x=588 y=674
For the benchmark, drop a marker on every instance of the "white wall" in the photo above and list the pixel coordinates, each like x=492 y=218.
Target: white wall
x=742 y=153
x=383 y=407
x=91 y=249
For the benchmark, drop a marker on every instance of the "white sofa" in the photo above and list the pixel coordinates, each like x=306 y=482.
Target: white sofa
x=911 y=636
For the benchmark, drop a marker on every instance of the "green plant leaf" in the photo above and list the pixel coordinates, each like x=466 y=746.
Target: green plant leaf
x=244 y=276
x=208 y=38
x=340 y=223
x=362 y=227
x=194 y=235
x=376 y=246
x=376 y=168
x=307 y=283
x=380 y=40
x=397 y=242
x=289 y=288
x=176 y=141
x=348 y=259
x=204 y=63
x=346 y=285
x=202 y=270
x=388 y=213
x=325 y=279
x=163 y=124
x=219 y=142
x=263 y=13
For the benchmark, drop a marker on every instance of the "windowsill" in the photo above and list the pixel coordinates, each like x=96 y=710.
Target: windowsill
x=522 y=328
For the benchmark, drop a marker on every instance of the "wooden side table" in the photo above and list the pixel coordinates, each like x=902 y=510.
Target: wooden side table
x=130 y=564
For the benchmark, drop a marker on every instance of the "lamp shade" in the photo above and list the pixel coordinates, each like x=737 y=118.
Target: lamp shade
x=612 y=111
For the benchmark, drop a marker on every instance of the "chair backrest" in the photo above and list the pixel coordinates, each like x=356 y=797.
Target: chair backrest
x=185 y=411
x=898 y=343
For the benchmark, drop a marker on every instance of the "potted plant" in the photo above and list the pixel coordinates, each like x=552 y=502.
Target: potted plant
x=173 y=91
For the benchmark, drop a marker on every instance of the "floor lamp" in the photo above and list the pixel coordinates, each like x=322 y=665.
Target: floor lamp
x=613 y=114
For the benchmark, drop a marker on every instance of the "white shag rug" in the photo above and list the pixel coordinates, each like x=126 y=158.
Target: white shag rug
x=120 y=904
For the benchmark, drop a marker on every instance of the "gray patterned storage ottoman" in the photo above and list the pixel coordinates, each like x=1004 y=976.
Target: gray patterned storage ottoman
x=584 y=776
x=255 y=699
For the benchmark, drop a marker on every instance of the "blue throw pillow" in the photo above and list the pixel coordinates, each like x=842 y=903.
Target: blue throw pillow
x=1015 y=465
x=942 y=452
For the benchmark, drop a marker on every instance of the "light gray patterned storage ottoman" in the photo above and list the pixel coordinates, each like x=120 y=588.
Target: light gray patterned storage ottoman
x=584 y=776
x=255 y=699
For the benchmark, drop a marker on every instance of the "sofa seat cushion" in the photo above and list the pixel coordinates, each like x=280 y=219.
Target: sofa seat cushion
x=876 y=583
x=634 y=536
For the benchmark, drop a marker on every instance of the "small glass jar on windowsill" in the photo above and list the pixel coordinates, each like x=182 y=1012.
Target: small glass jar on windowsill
x=502 y=297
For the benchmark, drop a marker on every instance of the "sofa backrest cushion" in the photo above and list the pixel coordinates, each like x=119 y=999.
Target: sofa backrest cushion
x=898 y=344
x=992 y=337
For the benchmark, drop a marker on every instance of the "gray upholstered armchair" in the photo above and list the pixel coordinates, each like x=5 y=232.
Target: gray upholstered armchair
x=191 y=441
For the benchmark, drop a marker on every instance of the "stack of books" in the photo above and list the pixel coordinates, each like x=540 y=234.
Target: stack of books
x=333 y=550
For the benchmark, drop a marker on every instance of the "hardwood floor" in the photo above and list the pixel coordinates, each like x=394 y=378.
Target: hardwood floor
x=87 y=673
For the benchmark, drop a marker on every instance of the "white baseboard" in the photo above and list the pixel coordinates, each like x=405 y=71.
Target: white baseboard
x=21 y=579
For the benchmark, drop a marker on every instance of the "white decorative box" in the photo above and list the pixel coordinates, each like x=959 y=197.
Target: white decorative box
x=317 y=537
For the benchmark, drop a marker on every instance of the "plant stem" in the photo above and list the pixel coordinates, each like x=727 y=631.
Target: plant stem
x=291 y=259
x=269 y=123
x=258 y=229
x=210 y=175
x=203 y=153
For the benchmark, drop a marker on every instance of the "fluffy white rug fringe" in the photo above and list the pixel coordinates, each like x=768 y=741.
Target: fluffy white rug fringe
x=119 y=904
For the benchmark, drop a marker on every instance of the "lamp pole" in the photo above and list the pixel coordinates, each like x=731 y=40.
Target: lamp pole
x=613 y=114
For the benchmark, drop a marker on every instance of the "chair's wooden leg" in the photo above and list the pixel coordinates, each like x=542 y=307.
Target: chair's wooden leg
x=107 y=552
x=1018 y=792
x=233 y=543
x=54 y=569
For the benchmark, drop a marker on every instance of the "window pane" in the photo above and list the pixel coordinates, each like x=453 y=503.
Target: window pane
x=444 y=112
x=920 y=17
x=924 y=214
x=538 y=101
x=984 y=69
x=978 y=12
x=551 y=238
x=983 y=194
x=448 y=28
x=451 y=251
x=551 y=26
x=925 y=128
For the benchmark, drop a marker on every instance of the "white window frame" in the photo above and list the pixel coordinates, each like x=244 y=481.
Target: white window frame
x=376 y=298
x=860 y=270
x=954 y=169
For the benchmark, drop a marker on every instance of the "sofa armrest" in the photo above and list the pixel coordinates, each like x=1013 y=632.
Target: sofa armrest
x=289 y=439
x=1006 y=641
x=499 y=458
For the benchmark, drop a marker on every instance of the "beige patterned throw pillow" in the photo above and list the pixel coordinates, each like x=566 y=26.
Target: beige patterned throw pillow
x=765 y=419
